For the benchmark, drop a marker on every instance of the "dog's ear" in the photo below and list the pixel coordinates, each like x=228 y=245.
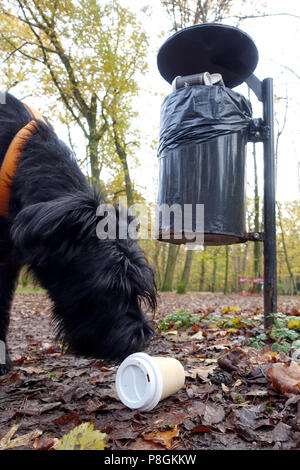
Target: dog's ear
x=53 y=227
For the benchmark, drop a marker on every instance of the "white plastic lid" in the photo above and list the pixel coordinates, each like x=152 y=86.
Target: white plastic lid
x=139 y=382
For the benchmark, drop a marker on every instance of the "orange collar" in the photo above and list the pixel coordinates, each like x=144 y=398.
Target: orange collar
x=12 y=156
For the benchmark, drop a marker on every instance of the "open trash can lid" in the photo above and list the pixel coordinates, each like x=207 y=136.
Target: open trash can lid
x=208 y=47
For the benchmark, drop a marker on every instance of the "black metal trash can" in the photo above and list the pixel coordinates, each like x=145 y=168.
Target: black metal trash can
x=202 y=152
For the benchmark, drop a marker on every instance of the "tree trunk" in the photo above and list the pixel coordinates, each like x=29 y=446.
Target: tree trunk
x=285 y=251
x=156 y=263
x=202 y=275
x=93 y=158
x=226 y=269
x=122 y=154
x=128 y=184
x=186 y=270
x=244 y=262
x=214 y=275
x=170 y=268
x=163 y=264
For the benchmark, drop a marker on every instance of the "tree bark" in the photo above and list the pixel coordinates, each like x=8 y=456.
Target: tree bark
x=285 y=250
x=226 y=269
x=170 y=268
x=213 y=276
x=202 y=275
x=122 y=154
x=156 y=263
x=186 y=270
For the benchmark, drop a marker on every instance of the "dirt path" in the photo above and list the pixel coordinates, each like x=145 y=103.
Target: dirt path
x=217 y=408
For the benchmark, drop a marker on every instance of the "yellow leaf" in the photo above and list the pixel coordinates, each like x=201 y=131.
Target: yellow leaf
x=237 y=383
x=293 y=324
x=233 y=330
x=224 y=387
x=83 y=437
x=212 y=326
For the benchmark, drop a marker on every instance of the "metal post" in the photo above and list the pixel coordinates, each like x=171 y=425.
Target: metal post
x=270 y=275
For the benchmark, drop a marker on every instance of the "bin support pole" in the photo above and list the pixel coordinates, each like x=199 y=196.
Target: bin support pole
x=270 y=274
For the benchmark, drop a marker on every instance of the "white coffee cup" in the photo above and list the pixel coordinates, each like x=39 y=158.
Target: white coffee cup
x=142 y=380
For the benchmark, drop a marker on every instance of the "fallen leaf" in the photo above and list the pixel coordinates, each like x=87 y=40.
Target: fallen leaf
x=165 y=438
x=8 y=443
x=213 y=414
x=245 y=432
x=94 y=405
x=203 y=428
x=198 y=335
x=202 y=372
x=34 y=408
x=73 y=415
x=141 y=444
x=123 y=431
x=32 y=370
x=83 y=437
x=20 y=359
x=6 y=439
x=46 y=443
x=224 y=387
x=171 y=333
x=281 y=432
x=167 y=419
x=237 y=383
x=231 y=360
x=285 y=377
x=295 y=311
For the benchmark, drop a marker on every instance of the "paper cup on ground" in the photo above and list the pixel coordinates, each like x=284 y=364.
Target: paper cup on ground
x=142 y=380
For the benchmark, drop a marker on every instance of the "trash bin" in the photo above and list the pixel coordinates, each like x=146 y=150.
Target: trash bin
x=201 y=154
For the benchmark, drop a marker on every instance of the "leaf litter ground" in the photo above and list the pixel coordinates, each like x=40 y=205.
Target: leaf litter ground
x=231 y=399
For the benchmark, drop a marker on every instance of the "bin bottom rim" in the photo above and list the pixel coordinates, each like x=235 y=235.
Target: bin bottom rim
x=210 y=238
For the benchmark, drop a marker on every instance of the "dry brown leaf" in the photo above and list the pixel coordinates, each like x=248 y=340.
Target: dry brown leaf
x=8 y=443
x=233 y=360
x=203 y=428
x=32 y=370
x=141 y=444
x=46 y=443
x=6 y=439
x=167 y=419
x=165 y=438
x=225 y=388
x=285 y=377
x=203 y=372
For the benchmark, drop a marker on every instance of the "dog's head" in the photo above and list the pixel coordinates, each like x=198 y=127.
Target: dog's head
x=98 y=286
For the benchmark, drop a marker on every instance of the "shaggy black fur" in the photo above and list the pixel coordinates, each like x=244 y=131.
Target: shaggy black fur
x=96 y=285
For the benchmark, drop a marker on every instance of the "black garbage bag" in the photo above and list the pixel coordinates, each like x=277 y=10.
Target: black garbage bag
x=202 y=160
x=201 y=113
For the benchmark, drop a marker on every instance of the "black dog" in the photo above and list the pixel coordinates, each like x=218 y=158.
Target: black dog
x=96 y=286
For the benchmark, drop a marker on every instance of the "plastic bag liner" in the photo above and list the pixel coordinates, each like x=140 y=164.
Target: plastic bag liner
x=202 y=149
x=201 y=113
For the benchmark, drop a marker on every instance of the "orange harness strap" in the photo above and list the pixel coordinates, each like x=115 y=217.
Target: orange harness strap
x=12 y=156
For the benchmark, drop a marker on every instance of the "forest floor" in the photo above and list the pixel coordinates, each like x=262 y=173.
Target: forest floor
x=232 y=398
